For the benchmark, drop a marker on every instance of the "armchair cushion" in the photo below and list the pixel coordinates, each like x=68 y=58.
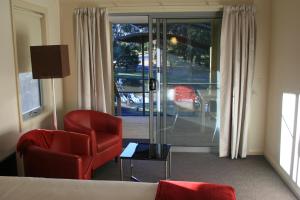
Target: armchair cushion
x=178 y=190
x=36 y=138
x=59 y=141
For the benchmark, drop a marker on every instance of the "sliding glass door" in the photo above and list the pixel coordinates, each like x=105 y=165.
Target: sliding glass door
x=184 y=75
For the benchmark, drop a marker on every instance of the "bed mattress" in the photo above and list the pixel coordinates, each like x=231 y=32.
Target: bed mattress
x=28 y=188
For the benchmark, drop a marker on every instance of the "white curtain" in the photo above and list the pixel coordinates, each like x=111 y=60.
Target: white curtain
x=93 y=57
x=238 y=37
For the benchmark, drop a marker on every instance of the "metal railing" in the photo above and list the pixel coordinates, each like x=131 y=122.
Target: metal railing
x=119 y=103
x=119 y=94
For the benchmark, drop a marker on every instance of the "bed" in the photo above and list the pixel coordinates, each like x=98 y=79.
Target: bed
x=28 y=188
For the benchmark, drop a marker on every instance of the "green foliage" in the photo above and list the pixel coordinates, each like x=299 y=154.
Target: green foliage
x=126 y=55
x=193 y=51
x=196 y=49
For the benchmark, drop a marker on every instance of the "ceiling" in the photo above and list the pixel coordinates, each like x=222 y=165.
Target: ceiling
x=139 y=3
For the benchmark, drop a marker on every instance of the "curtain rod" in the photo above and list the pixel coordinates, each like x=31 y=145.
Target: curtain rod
x=174 y=15
x=167 y=9
x=154 y=7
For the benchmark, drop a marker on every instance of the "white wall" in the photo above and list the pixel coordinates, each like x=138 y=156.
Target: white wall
x=257 y=124
x=259 y=92
x=9 y=116
x=283 y=74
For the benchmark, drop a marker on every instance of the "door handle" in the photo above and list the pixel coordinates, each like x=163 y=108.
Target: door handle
x=152 y=84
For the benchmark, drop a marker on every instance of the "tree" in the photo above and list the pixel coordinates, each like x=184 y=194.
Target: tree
x=190 y=53
x=126 y=54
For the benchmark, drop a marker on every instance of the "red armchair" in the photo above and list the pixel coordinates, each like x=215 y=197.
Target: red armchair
x=104 y=130
x=56 y=154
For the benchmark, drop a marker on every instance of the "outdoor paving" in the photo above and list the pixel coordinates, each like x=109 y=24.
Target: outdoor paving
x=186 y=131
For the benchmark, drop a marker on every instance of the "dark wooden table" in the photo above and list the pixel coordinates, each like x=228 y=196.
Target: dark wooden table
x=146 y=151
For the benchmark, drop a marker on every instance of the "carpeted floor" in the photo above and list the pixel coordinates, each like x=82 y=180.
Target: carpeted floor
x=253 y=178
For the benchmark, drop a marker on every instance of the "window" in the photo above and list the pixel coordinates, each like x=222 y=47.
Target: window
x=287 y=130
x=28 y=32
x=30 y=95
x=290 y=136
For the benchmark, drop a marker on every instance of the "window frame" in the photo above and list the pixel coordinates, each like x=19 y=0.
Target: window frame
x=35 y=9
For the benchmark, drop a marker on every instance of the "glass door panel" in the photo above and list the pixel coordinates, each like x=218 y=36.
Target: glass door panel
x=185 y=57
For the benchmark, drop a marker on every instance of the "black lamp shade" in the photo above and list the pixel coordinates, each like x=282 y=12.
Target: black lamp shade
x=50 y=61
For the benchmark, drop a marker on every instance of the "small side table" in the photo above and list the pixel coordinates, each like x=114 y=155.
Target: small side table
x=146 y=151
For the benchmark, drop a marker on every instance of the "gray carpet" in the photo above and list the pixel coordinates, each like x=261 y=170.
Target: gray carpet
x=253 y=178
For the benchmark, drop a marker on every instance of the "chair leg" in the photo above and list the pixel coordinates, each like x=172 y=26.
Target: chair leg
x=117 y=159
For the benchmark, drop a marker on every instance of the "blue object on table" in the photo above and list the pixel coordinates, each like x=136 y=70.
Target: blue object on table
x=129 y=150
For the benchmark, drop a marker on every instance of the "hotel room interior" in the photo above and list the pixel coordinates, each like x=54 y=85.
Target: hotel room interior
x=149 y=99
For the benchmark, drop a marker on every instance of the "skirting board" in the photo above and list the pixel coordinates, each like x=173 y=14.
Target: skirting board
x=255 y=153
x=286 y=179
x=208 y=150
x=193 y=149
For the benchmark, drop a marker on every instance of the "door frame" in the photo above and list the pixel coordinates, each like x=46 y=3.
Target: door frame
x=217 y=14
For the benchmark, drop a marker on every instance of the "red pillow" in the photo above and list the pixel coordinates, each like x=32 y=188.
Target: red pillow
x=181 y=190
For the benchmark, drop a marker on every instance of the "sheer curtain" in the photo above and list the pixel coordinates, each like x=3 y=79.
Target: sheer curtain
x=93 y=59
x=238 y=37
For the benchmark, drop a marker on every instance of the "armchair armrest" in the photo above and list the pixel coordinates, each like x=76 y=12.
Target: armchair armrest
x=69 y=125
x=80 y=144
x=44 y=163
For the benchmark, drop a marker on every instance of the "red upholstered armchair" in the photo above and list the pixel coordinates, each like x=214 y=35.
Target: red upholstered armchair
x=56 y=154
x=104 y=130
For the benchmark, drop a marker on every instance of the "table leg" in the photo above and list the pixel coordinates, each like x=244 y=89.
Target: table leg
x=132 y=177
x=202 y=102
x=170 y=163
x=131 y=168
x=166 y=168
x=121 y=169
